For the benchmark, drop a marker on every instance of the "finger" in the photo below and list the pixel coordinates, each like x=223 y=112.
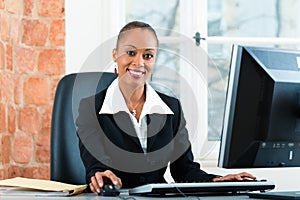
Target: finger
x=238 y=177
x=95 y=185
x=92 y=188
x=119 y=183
x=99 y=179
x=231 y=177
x=226 y=177
x=114 y=179
x=246 y=175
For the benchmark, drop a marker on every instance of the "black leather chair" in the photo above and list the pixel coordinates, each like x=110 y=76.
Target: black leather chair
x=66 y=165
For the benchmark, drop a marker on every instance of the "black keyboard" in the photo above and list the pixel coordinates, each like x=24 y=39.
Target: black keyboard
x=202 y=188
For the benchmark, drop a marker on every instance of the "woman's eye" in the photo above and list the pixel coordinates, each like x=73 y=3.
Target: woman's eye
x=130 y=53
x=148 y=56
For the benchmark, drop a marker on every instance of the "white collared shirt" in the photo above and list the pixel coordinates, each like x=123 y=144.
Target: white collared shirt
x=114 y=102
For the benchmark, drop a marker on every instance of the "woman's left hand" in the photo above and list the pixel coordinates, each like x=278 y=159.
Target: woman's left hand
x=233 y=177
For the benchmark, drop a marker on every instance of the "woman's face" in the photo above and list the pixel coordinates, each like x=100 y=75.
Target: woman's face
x=135 y=56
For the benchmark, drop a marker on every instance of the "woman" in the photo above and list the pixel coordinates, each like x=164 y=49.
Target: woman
x=129 y=133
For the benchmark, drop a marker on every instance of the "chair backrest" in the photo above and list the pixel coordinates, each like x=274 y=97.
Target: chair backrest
x=66 y=165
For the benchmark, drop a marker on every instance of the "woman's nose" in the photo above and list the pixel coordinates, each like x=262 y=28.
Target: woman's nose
x=139 y=60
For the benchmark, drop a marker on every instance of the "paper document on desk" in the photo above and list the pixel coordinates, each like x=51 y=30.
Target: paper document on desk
x=38 y=187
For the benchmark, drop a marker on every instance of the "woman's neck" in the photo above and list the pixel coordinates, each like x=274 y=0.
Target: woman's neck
x=132 y=95
x=134 y=98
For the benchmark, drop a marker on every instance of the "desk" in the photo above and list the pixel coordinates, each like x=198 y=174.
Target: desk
x=90 y=196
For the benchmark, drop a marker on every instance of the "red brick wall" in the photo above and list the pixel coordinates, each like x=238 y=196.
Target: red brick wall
x=32 y=60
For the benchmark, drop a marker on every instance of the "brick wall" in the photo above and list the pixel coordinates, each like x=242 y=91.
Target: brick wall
x=32 y=60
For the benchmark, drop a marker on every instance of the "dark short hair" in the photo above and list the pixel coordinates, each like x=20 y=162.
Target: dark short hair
x=136 y=24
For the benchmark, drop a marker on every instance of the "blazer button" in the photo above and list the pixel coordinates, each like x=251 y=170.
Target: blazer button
x=142 y=179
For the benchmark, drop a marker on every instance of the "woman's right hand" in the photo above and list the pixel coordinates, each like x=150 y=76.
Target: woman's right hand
x=98 y=180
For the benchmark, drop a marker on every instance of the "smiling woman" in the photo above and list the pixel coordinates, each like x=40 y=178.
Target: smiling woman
x=129 y=133
x=135 y=58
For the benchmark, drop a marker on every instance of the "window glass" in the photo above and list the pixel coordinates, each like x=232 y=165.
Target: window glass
x=163 y=16
x=159 y=14
x=256 y=18
x=217 y=85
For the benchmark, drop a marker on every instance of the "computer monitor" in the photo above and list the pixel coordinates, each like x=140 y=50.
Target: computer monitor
x=261 y=126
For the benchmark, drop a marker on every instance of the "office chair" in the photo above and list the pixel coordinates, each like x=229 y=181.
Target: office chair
x=66 y=165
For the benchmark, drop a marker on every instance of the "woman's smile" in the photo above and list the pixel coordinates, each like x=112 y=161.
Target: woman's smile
x=136 y=73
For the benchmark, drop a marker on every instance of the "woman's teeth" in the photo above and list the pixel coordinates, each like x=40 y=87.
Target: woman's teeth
x=138 y=73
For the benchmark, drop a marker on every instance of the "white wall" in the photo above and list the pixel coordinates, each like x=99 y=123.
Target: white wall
x=88 y=26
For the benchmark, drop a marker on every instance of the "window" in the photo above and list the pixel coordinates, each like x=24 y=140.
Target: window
x=222 y=23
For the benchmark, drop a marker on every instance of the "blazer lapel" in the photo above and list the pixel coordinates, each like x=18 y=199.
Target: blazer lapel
x=123 y=122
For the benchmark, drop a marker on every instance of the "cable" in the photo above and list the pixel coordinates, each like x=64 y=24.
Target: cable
x=184 y=195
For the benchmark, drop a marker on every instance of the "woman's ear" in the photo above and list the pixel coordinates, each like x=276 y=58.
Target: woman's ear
x=114 y=54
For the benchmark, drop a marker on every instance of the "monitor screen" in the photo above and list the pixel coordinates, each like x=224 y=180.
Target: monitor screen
x=261 y=126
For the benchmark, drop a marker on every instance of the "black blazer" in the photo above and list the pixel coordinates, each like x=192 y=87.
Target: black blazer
x=109 y=141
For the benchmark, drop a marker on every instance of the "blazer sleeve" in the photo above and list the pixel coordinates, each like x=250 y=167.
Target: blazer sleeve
x=184 y=168
x=87 y=124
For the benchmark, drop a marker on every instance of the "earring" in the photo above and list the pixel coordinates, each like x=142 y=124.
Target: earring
x=115 y=68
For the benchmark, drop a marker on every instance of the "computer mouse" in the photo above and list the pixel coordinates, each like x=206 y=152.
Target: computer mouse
x=109 y=189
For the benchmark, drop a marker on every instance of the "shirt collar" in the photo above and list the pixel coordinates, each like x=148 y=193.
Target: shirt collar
x=114 y=101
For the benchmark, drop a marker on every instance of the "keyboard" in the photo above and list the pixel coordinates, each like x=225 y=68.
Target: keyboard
x=199 y=188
